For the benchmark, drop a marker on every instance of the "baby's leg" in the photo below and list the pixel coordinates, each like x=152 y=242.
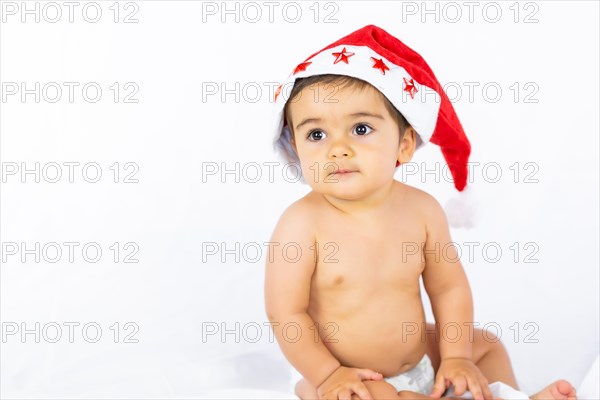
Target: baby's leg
x=379 y=390
x=489 y=355
x=406 y=395
x=382 y=390
x=305 y=390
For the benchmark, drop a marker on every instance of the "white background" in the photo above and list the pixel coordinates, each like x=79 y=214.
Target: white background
x=176 y=130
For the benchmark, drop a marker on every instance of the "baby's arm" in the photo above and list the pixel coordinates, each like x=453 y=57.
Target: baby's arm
x=448 y=288
x=446 y=284
x=287 y=290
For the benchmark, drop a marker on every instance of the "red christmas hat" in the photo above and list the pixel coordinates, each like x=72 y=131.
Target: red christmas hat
x=400 y=73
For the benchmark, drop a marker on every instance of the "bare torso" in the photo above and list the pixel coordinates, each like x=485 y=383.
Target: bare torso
x=365 y=289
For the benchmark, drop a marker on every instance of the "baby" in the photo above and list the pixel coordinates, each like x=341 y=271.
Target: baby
x=342 y=286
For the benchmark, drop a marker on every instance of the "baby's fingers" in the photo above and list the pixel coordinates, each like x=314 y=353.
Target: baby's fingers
x=476 y=389
x=460 y=385
x=479 y=388
x=439 y=387
x=362 y=392
x=368 y=374
x=345 y=395
x=487 y=393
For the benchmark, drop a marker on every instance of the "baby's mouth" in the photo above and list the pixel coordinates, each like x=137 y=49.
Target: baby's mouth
x=342 y=172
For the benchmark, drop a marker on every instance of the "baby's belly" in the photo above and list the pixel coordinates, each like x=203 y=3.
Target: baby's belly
x=386 y=335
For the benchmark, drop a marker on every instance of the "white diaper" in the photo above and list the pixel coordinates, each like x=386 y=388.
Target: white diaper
x=420 y=379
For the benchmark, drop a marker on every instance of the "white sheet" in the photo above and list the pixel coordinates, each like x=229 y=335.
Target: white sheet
x=590 y=386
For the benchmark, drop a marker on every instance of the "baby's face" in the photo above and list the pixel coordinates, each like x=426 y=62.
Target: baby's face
x=344 y=129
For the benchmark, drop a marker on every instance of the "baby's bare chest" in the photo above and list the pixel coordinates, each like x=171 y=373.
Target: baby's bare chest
x=385 y=255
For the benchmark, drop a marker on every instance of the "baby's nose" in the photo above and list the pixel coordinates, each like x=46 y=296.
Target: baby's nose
x=340 y=154
x=340 y=150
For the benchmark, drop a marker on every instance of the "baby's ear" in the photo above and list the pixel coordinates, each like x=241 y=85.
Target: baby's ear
x=408 y=144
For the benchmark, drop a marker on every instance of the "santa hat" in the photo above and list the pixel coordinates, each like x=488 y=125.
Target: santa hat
x=398 y=72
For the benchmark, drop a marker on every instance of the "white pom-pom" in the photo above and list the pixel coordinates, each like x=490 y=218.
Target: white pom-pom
x=460 y=209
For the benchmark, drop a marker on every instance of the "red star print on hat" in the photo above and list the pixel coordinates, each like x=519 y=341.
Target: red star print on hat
x=403 y=76
x=409 y=86
x=342 y=56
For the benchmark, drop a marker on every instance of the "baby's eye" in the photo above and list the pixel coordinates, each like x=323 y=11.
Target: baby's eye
x=316 y=135
x=361 y=129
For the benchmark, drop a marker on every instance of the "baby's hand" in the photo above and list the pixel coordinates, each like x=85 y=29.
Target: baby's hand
x=343 y=382
x=464 y=375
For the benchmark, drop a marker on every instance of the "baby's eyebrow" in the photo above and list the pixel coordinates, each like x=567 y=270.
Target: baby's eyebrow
x=366 y=114
x=354 y=115
x=307 y=121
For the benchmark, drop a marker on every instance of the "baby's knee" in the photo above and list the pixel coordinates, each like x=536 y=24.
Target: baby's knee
x=385 y=391
x=487 y=338
x=305 y=390
x=408 y=395
x=380 y=390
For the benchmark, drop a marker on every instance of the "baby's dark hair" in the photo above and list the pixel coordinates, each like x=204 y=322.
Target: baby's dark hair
x=341 y=81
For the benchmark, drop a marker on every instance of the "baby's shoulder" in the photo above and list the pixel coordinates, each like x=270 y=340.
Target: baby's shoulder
x=417 y=196
x=420 y=202
x=299 y=213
